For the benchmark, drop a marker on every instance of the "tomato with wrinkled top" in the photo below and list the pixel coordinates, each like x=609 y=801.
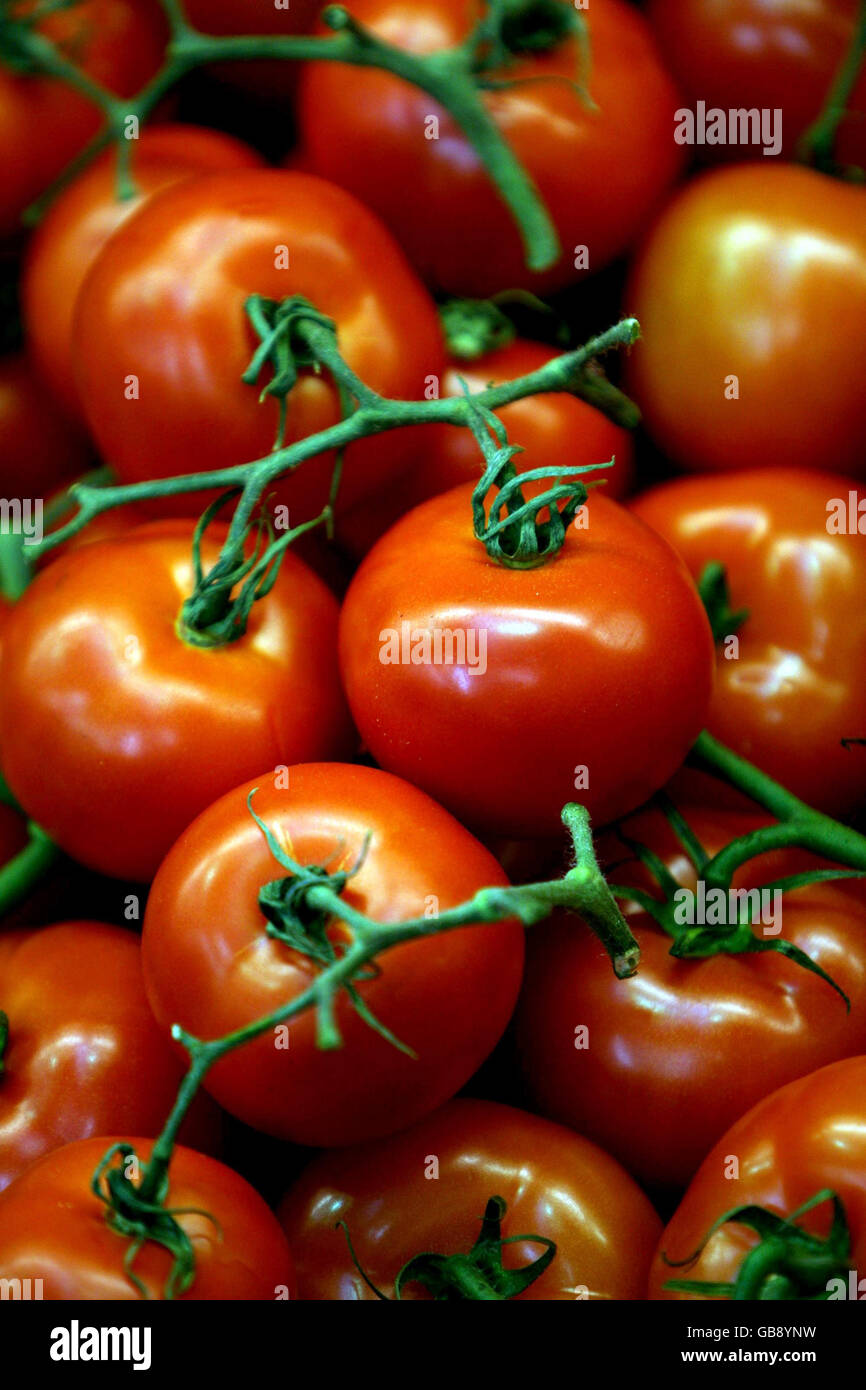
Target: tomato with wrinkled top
x=84 y=1054
x=116 y=732
x=554 y=430
x=85 y=215
x=676 y=1053
x=43 y=122
x=53 y=1228
x=506 y=693
x=40 y=448
x=806 y=1137
x=792 y=689
x=750 y=291
x=210 y=965
x=765 y=55
x=555 y=1185
x=600 y=170
x=164 y=304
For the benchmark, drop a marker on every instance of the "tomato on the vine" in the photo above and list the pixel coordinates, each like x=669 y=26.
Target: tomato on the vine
x=553 y=430
x=555 y=1184
x=763 y=55
x=675 y=1054
x=85 y=215
x=790 y=692
x=53 y=1228
x=116 y=731
x=750 y=291
x=40 y=448
x=162 y=339
x=600 y=167
x=211 y=965
x=43 y=122
x=506 y=693
x=801 y=1140
x=73 y=993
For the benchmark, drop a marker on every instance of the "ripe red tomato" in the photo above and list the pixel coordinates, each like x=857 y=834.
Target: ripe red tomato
x=764 y=54
x=164 y=303
x=600 y=172
x=74 y=994
x=794 y=691
x=43 y=122
x=210 y=966
x=502 y=692
x=552 y=429
x=39 y=447
x=275 y=80
x=664 y=1068
x=85 y=215
x=750 y=290
x=53 y=1228
x=808 y=1136
x=396 y=1205
x=116 y=732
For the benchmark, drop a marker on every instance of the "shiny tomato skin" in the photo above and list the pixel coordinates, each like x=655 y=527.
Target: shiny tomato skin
x=795 y=689
x=116 y=733
x=43 y=123
x=209 y=965
x=554 y=430
x=756 y=273
x=74 y=994
x=766 y=54
x=599 y=659
x=600 y=173
x=556 y=1185
x=169 y=290
x=667 y=1066
x=53 y=1228
x=85 y=215
x=807 y=1136
x=40 y=448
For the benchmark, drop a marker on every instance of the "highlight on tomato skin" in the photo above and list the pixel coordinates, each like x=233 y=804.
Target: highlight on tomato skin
x=211 y=966
x=789 y=675
x=593 y=671
x=425 y=1189
x=803 y=1139
x=53 y=1228
x=432 y=640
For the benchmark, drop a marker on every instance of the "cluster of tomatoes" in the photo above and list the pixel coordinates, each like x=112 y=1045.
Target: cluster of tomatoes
x=481 y=1062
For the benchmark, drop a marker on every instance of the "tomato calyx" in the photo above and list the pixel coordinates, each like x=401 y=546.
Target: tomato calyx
x=718 y=919
x=787 y=1263
x=477 y=1275
x=132 y=1213
x=716 y=598
x=287 y=345
x=474 y=327
x=516 y=532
